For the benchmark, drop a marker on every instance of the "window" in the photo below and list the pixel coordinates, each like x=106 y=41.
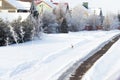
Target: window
x=11 y=11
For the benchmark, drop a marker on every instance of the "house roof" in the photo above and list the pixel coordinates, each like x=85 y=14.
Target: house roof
x=17 y=4
x=50 y=4
x=26 y=5
x=26 y=0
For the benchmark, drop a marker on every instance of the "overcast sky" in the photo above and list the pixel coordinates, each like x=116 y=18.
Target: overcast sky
x=107 y=5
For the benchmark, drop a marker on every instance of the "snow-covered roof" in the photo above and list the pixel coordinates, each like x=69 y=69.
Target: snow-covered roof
x=18 y=4
x=49 y=3
x=56 y=1
x=25 y=4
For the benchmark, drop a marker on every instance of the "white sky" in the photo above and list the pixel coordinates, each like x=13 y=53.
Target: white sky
x=107 y=5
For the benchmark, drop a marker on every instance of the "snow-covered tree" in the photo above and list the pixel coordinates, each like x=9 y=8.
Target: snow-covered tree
x=94 y=21
x=27 y=29
x=111 y=22
x=101 y=17
x=49 y=22
x=4 y=32
x=79 y=16
x=119 y=19
x=8 y=34
x=106 y=23
x=115 y=22
x=60 y=11
x=16 y=25
x=35 y=19
x=119 y=16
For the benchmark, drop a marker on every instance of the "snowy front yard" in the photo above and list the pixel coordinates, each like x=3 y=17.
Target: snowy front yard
x=50 y=57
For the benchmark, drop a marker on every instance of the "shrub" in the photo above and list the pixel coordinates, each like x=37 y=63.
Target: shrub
x=16 y=31
x=5 y=34
x=16 y=25
x=28 y=30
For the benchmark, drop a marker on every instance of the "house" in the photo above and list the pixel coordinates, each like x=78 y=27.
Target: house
x=41 y=5
x=44 y=5
x=25 y=6
x=11 y=6
x=5 y=6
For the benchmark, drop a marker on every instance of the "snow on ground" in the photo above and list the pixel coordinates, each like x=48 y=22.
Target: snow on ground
x=48 y=58
x=107 y=67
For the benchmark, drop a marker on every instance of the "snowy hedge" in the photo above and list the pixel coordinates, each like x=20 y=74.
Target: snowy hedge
x=4 y=33
x=15 y=31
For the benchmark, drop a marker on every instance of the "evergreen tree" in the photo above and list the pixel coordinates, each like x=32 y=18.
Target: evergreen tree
x=64 y=26
x=119 y=16
x=33 y=10
x=94 y=21
x=101 y=17
x=111 y=22
x=60 y=11
x=49 y=22
x=36 y=21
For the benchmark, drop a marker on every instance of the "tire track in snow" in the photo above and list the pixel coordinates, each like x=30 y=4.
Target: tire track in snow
x=86 y=65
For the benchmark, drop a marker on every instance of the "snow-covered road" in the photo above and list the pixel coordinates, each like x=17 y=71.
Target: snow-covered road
x=50 y=57
x=107 y=67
